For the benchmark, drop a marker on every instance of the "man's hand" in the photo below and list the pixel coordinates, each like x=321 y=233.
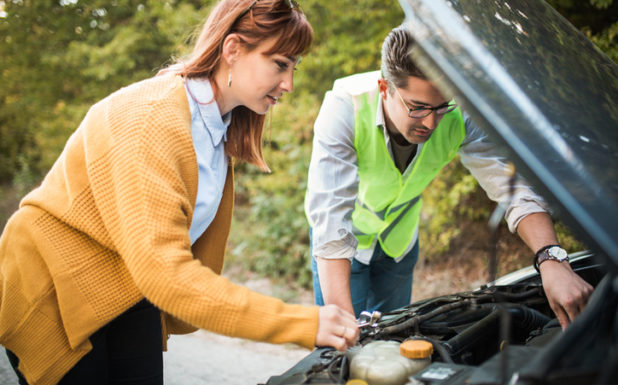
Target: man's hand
x=566 y=291
x=336 y=328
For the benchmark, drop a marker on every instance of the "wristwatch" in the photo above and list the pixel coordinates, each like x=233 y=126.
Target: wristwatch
x=553 y=252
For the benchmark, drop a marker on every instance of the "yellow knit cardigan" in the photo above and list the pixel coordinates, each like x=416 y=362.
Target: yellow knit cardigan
x=109 y=226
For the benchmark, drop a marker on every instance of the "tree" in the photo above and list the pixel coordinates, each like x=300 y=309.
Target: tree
x=61 y=57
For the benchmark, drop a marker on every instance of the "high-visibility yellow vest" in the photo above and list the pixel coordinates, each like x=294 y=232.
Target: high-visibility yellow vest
x=387 y=206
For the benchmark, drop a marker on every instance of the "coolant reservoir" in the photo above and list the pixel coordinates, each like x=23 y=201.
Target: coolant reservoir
x=419 y=352
x=390 y=362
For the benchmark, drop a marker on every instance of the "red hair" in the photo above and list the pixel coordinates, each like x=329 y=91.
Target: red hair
x=253 y=21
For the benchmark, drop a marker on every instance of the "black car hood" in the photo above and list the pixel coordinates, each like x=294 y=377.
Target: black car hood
x=542 y=91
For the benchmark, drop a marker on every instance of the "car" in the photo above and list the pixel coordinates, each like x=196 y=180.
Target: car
x=547 y=97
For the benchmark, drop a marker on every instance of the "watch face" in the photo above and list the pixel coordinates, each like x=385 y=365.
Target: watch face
x=558 y=253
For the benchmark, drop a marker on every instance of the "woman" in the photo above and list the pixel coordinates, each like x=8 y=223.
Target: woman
x=123 y=241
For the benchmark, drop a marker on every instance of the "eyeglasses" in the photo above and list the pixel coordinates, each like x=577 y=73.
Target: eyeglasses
x=422 y=112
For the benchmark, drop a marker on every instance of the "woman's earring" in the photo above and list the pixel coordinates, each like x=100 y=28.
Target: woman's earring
x=229 y=78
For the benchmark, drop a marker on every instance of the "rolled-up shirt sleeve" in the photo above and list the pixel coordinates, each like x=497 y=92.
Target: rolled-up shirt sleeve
x=333 y=179
x=491 y=170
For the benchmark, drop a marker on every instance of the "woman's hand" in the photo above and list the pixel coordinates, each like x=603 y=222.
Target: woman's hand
x=337 y=328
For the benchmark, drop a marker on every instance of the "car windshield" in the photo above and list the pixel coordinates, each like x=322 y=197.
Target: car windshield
x=539 y=88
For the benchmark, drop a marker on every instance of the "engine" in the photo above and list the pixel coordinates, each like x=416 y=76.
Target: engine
x=498 y=334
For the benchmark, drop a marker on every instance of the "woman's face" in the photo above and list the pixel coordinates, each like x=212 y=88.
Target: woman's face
x=259 y=80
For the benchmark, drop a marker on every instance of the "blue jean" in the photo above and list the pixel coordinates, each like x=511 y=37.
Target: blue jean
x=383 y=285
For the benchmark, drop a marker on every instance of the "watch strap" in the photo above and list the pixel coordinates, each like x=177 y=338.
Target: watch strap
x=535 y=261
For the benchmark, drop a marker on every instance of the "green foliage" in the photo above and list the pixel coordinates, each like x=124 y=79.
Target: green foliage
x=451 y=199
x=348 y=39
x=601 y=4
x=270 y=232
x=59 y=57
x=595 y=18
x=567 y=239
x=606 y=40
x=453 y=204
x=24 y=179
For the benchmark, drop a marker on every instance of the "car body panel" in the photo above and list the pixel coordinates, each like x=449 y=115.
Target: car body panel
x=540 y=88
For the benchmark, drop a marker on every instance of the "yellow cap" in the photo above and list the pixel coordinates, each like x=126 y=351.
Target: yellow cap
x=356 y=382
x=416 y=348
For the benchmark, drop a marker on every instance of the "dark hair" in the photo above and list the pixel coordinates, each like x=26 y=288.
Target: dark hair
x=253 y=21
x=397 y=64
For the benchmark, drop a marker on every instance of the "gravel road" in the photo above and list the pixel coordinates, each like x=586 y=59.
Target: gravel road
x=207 y=358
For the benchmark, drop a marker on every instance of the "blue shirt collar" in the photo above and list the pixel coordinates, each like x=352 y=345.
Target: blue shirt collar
x=201 y=93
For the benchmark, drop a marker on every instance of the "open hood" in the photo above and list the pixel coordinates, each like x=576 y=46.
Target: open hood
x=541 y=90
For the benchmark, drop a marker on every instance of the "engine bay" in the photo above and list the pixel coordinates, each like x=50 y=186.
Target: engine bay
x=501 y=333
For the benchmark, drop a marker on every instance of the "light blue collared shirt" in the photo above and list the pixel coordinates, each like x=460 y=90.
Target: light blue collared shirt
x=209 y=131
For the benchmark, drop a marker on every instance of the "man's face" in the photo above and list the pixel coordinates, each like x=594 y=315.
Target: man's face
x=419 y=93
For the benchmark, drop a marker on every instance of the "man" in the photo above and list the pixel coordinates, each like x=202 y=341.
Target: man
x=379 y=141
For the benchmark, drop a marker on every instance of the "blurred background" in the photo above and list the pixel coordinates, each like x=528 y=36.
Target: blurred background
x=57 y=58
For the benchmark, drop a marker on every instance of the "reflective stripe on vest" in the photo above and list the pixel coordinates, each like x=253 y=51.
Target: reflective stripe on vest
x=388 y=207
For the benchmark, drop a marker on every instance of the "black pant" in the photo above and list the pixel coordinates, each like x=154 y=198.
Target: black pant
x=126 y=351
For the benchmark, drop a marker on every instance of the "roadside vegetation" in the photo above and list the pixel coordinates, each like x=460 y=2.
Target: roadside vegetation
x=60 y=57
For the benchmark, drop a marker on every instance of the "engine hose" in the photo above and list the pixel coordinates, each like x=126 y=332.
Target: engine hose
x=468 y=336
x=466 y=317
x=524 y=318
x=416 y=320
x=527 y=318
x=337 y=369
x=441 y=326
x=513 y=297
